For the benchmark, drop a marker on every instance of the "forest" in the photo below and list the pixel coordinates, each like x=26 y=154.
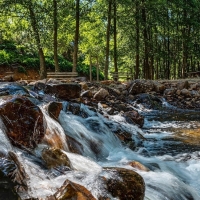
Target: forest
x=151 y=39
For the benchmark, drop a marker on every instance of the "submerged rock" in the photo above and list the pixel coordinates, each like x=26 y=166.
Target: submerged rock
x=24 y=122
x=127 y=184
x=133 y=117
x=138 y=165
x=70 y=190
x=55 y=158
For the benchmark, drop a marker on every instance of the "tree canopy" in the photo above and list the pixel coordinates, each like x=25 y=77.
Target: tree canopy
x=152 y=39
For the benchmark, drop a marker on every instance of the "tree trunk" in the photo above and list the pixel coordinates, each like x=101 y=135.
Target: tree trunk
x=145 y=35
x=108 y=40
x=55 y=35
x=115 y=36
x=75 y=56
x=43 y=72
x=137 y=56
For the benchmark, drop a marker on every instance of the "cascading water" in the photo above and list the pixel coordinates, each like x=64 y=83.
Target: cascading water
x=174 y=166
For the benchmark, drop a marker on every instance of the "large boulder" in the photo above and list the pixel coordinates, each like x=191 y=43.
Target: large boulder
x=70 y=190
x=65 y=91
x=125 y=184
x=141 y=86
x=24 y=122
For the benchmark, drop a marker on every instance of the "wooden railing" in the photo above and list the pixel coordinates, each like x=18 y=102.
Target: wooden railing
x=62 y=75
x=122 y=75
x=193 y=74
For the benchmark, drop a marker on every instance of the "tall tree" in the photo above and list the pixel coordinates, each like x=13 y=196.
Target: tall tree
x=108 y=39
x=55 y=35
x=115 y=34
x=76 y=37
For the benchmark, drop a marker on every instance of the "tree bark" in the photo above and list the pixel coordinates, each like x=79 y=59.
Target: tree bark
x=76 y=38
x=55 y=35
x=137 y=57
x=108 y=40
x=115 y=36
x=43 y=72
x=145 y=35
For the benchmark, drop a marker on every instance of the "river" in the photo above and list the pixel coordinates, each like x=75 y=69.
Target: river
x=168 y=146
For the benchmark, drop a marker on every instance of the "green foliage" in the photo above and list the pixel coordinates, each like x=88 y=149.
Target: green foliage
x=4 y=57
x=65 y=65
x=21 y=69
x=31 y=63
x=84 y=70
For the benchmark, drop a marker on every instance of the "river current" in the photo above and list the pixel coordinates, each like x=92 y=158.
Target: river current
x=168 y=145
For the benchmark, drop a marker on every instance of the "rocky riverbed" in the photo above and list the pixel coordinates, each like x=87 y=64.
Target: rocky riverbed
x=53 y=126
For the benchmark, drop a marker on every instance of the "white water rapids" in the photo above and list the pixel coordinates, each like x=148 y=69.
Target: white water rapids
x=174 y=168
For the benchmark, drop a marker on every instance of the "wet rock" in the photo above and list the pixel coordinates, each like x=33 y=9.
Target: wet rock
x=74 y=146
x=125 y=184
x=53 y=109
x=109 y=110
x=87 y=93
x=14 y=171
x=141 y=86
x=19 y=175
x=185 y=93
x=170 y=91
x=22 y=82
x=101 y=94
x=53 y=81
x=133 y=117
x=39 y=85
x=126 y=138
x=81 y=79
x=65 y=91
x=55 y=157
x=70 y=190
x=74 y=108
x=120 y=107
x=12 y=89
x=7 y=190
x=159 y=87
x=138 y=165
x=53 y=138
x=84 y=85
x=24 y=122
x=183 y=85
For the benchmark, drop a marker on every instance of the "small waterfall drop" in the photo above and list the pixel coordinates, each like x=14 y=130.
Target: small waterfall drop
x=55 y=135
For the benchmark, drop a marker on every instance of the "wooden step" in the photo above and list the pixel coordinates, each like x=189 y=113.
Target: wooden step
x=61 y=75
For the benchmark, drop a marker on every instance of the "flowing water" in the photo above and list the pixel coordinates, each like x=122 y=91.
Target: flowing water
x=168 y=145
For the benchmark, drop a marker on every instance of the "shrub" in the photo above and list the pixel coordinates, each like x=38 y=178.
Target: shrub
x=21 y=69
x=31 y=63
x=4 y=57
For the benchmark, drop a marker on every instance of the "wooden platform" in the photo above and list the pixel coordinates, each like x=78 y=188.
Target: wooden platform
x=123 y=75
x=62 y=75
x=193 y=74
